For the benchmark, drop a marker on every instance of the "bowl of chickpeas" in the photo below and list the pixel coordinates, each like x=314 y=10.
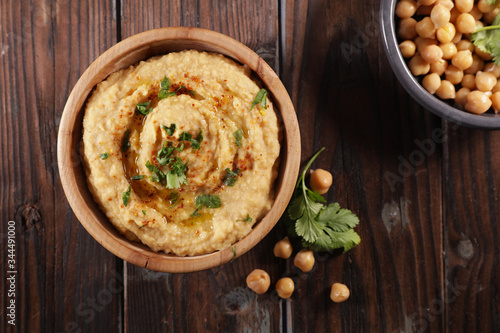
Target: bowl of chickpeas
x=430 y=48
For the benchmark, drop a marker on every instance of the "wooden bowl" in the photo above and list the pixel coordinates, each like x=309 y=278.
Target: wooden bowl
x=128 y=52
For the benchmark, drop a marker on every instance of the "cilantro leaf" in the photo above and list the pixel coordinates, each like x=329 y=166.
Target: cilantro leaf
x=207 y=200
x=321 y=228
x=137 y=177
x=170 y=130
x=195 y=143
x=165 y=87
x=248 y=219
x=487 y=39
x=238 y=135
x=165 y=152
x=176 y=176
x=261 y=98
x=126 y=196
x=143 y=109
x=143 y=212
x=230 y=177
x=104 y=156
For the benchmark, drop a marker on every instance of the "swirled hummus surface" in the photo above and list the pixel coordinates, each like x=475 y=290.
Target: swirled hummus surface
x=181 y=151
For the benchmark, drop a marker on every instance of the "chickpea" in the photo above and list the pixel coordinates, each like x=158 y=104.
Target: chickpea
x=446 y=33
x=285 y=287
x=469 y=81
x=489 y=17
x=457 y=38
x=462 y=60
x=477 y=102
x=283 y=248
x=492 y=68
x=454 y=74
x=425 y=28
x=461 y=97
x=426 y=2
x=439 y=67
x=476 y=13
x=454 y=14
x=449 y=50
x=477 y=65
x=259 y=281
x=446 y=90
x=495 y=101
x=464 y=6
x=465 y=44
x=304 y=260
x=483 y=6
x=466 y=23
x=431 y=83
x=440 y=15
x=407 y=28
x=448 y=4
x=485 y=81
x=432 y=54
x=407 y=48
x=496 y=88
x=483 y=55
x=320 y=181
x=423 y=10
x=406 y=8
x=422 y=43
x=339 y=293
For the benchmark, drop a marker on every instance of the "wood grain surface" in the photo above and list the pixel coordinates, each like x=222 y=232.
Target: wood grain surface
x=426 y=190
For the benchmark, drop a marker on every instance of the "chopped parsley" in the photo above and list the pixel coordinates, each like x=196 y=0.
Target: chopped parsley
x=165 y=87
x=261 y=98
x=238 y=136
x=165 y=152
x=104 y=156
x=230 y=177
x=126 y=196
x=126 y=141
x=247 y=219
x=174 y=177
x=137 y=177
x=173 y=197
x=142 y=226
x=207 y=200
x=143 y=109
x=170 y=130
x=195 y=143
x=143 y=212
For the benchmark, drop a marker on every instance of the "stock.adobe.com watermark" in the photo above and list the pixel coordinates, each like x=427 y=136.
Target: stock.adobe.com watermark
x=11 y=273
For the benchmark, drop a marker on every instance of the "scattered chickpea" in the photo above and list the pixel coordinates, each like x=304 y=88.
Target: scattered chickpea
x=406 y=8
x=492 y=68
x=466 y=23
x=283 y=248
x=454 y=74
x=446 y=33
x=495 y=101
x=440 y=15
x=485 y=81
x=304 y=260
x=477 y=65
x=462 y=60
x=320 y=181
x=461 y=97
x=407 y=48
x=259 y=281
x=449 y=50
x=425 y=28
x=464 y=6
x=285 y=287
x=407 y=28
x=418 y=66
x=339 y=293
x=483 y=6
x=439 y=67
x=469 y=81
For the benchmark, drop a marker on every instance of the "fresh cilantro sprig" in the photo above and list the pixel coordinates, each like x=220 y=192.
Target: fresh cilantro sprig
x=207 y=200
x=321 y=228
x=261 y=98
x=487 y=39
x=173 y=178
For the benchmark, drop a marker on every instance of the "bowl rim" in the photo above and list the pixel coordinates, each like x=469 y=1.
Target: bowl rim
x=137 y=253
x=414 y=88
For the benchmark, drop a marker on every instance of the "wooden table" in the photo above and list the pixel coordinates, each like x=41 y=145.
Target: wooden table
x=426 y=190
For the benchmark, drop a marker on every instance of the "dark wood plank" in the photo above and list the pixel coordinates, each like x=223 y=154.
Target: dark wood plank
x=215 y=300
x=472 y=214
x=65 y=280
x=348 y=101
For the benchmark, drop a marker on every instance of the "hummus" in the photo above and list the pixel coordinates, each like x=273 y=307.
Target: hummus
x=180 y=154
